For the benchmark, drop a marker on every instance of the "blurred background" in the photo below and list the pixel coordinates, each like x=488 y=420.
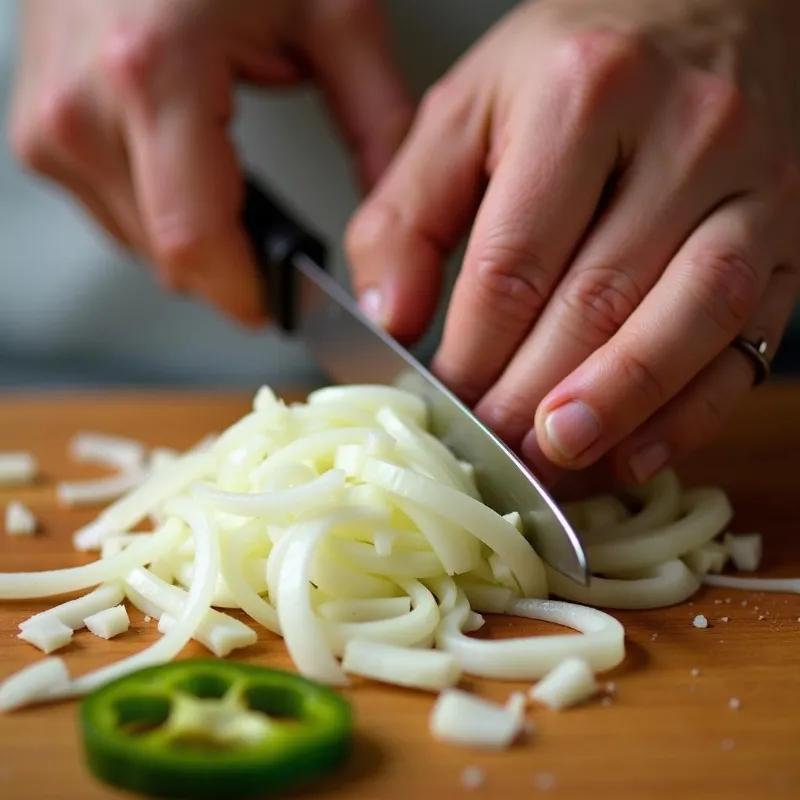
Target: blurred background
x=75 y=311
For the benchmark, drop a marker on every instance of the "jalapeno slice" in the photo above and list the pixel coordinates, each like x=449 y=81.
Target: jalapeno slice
x=213 y=729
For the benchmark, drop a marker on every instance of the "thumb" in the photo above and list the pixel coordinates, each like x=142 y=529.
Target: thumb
x=347 y=49
x=401 y=236
x=186 y=176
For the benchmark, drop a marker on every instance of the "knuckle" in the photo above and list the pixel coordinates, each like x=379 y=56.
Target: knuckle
x=595 y=62
x=133 y=51
x=58 y=116
x=711 y=416
x=179 y=248
x=640 y=377
x=447 y=104
x=718 y=109
x=509 y=416
x=369 y=228
x=728 y=286
x=602 y=298
x=513 y=282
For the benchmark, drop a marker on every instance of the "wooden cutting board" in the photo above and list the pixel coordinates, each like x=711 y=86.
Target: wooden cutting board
x=667 y=734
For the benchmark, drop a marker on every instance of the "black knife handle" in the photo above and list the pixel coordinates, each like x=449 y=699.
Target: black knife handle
x=277 y=238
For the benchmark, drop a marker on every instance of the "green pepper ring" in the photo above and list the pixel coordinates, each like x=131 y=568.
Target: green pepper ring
x=318 y=740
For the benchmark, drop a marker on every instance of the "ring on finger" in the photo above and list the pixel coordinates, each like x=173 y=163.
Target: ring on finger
x=757 y=351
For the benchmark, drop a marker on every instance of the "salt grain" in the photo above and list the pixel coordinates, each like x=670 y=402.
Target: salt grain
x=724 y=619
x=654 y=636
x=611 y=687
x=148 y=619
x=473 y=778
x=761 y=616
x=700 y=621
x=728 y=744
x=718 y=602
x=744 y=602
x=695 y=672
x=734 y=704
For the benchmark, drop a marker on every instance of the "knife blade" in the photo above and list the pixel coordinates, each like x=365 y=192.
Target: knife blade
x=310 y=304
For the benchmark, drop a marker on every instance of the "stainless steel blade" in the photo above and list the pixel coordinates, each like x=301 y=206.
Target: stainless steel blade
x=354 y=351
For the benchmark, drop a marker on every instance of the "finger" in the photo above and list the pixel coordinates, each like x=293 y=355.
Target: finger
x=347 y=48
x=402 y=234
x=700 y=411
x=701 y=302
x=540 y=202
x=186 y=177
x=650 y=214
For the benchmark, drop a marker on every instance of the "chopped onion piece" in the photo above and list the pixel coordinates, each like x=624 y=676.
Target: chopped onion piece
x=709 y=557
x=486 y=597
x=102 y=490
x=745 y=549
x=220 y=633
x=276 y=506
x=466 y=512
x=373 y=398
x=74 y=612
x=130 y=510
x=23 y=585
x=108 y=623
x=464 y=719
x=706 y=513
x=602 y=644
x=197 y=603
x=34 y=683
x=112 y=451
x=364 y=609
x=17 y=469
x=700 y=621
x=569 y=683
x=47 y=633
x=781 y=585
x=20 y=520
x=431 y=670
x=664 y=585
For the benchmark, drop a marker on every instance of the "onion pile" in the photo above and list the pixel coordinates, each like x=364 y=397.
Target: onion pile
x=344 y=526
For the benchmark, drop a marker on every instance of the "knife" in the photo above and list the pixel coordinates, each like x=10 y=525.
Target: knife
x=305 y=301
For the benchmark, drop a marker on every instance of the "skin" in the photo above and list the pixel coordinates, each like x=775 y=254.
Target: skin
x=127 y=105
x=626 y=170
x=633 y=166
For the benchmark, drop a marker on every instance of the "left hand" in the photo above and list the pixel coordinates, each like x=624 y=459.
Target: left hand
x=642 y=211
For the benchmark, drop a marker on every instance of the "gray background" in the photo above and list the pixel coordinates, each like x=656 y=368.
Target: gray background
x=74 y=311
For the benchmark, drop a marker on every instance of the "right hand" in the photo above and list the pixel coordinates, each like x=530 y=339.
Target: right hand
x=127 y=106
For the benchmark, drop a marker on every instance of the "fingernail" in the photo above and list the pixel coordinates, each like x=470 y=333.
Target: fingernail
x=648 y=460
x=572 y=429
x=371 y=304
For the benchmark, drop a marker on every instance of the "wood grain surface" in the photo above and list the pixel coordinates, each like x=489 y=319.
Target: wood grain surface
x=667 y=734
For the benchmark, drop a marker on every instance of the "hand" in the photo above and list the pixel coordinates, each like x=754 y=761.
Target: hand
x=641 y=212
x=127 y=105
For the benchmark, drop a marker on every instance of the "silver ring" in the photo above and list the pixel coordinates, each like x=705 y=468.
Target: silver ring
x=756 y=351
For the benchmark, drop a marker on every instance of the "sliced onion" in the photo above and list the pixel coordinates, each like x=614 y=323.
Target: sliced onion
x=118 y=452
x=402 y=666
x=707 y=513
x=129 y=511
x=197 y=603
x=364 y=610
x=373 y=399
x=23 y=585
x=602 y=643
x=483 y=523
x=666 y=584
x=74 y=612
x=102 y=490
x=276 y=506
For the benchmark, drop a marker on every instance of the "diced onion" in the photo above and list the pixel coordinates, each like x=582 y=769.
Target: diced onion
x=569 y=683
x=47 y=633
x=402 y=666
x=34 y=683
x=74 y=612
x=118 y=452
x=108 y=623
x=17 y=469
x=20 y=520
x=464 y=719
x=745 y=550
